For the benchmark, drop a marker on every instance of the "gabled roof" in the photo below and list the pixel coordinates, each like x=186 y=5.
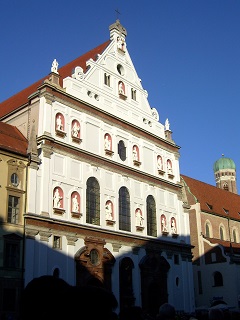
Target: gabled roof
x=11 y=139
x=213 y=199
x=21 y=98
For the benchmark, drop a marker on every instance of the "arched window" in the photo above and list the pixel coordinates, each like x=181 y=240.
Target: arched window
x=126 y=284
x=207 y=231
x=151 y=217
x=217 y=279
x=225 y=186
x=124 y=209
x=221 y=233
x=93 y=201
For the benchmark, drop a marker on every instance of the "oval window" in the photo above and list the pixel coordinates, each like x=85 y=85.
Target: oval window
x=94 y=256
x=120 y=69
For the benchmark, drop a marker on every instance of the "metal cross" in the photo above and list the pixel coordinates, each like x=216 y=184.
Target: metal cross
x=118 y=13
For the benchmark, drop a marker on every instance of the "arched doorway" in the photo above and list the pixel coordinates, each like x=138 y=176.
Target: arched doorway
x=154 y=271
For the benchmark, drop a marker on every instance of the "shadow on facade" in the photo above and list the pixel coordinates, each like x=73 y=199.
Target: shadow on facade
x=139 y=276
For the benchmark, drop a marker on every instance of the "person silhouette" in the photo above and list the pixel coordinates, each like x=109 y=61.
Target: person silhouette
x=51 y=298
x=166 y=312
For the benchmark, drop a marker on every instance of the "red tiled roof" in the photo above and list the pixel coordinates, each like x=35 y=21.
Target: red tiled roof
x=218 y=198
x=11 y=139
x=21 y=98
x=234 y=246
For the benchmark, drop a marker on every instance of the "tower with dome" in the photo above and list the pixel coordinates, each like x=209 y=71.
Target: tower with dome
x=225 y=174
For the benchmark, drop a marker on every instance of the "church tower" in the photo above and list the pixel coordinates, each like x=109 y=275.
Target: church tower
x=225 y=174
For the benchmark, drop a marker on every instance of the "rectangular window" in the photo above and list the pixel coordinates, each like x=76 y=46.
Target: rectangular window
x=11 y=254
x=13 y=209
x=57 y=242
x=107 y=79
x=134 y=94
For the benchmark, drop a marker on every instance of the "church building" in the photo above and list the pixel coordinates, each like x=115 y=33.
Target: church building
x=214 y=228
x=104 y=203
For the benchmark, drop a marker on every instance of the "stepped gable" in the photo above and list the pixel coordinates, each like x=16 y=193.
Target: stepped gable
x=217 y=198
x=21 y=98
x=11 y=139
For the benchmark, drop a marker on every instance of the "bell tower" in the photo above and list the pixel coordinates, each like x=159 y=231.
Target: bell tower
x=225 y=174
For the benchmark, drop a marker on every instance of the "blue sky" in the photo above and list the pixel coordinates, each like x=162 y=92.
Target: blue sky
x=187 y=53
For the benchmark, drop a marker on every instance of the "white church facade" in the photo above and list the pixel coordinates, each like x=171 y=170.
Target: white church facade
x=104 y=203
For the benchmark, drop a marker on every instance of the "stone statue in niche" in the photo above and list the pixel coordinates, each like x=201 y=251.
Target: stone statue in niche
x=139 y=218
x=75 y=130
x=108 y=210
x=173 y=227
x=169 y=167
x=121 y=88
x=75 y=204
x=57 y=199
x=135 y=153
x=164 y=224
x=59 y=123
x=107 y=143
x=159 y=163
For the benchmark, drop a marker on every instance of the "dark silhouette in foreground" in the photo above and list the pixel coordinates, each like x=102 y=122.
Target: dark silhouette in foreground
x=166 y=312
x=53 y=298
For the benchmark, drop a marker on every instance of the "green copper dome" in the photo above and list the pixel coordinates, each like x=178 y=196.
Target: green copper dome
x=224 y=163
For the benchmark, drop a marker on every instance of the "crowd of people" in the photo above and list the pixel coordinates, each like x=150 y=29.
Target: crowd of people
x=49 y=297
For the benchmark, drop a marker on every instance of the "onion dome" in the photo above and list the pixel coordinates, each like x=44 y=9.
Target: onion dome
x=224 y=163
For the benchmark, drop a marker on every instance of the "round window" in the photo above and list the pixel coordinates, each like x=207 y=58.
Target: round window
x=94 y=256
x=14 y=180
